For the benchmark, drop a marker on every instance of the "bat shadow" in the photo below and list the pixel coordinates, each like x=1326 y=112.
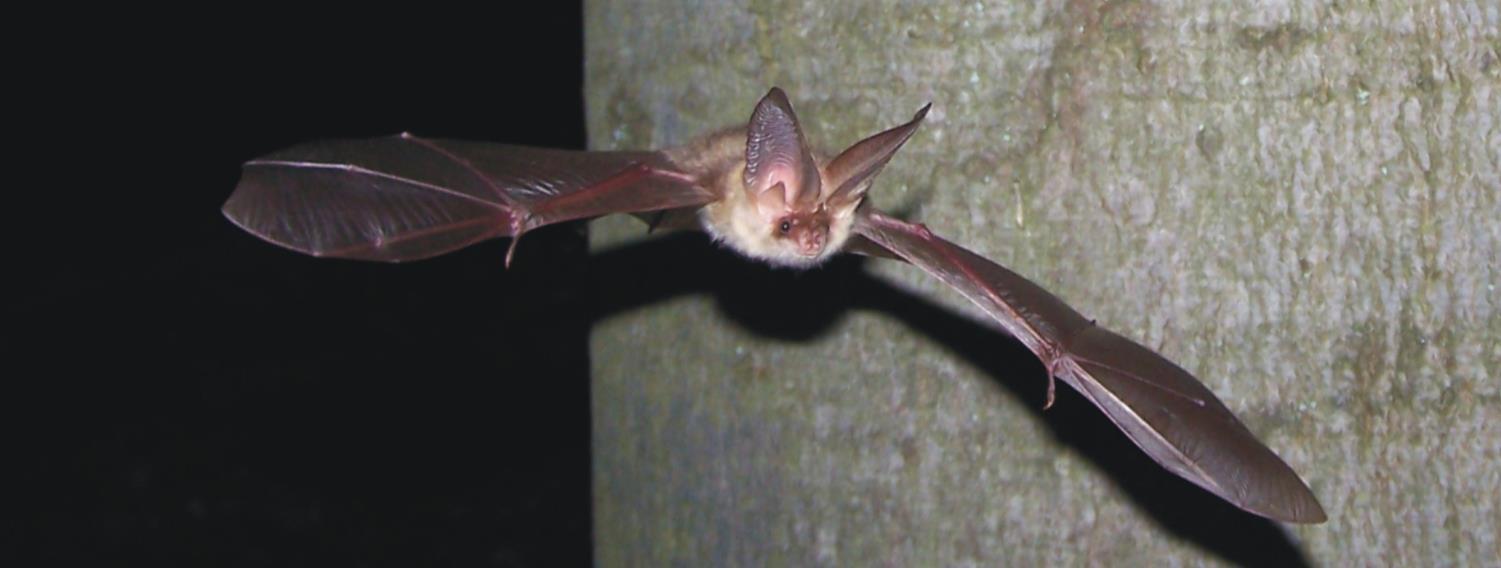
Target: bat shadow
x=798 y=305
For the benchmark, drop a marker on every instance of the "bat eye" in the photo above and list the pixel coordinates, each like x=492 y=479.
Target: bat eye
x=785 y=226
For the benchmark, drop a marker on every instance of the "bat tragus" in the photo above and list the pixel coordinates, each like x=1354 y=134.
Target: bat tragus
x=760 y=191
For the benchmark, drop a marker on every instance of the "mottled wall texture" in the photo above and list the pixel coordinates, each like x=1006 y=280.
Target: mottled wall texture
x=1299 y=202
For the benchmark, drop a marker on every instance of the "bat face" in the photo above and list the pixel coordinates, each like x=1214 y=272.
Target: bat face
x=767 y=227
x=792 y=210
x=807 y=232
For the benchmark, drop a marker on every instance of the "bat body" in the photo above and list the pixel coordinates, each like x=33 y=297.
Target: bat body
x=760 y=191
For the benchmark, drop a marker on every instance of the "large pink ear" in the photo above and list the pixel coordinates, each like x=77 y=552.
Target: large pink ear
x=775 y=152
x=851 y=172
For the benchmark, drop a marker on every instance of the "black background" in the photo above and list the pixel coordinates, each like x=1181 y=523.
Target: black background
x=184 y=394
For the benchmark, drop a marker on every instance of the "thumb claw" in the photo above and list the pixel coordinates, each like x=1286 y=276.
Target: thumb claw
x=511 y=250
x=1052 y=387
x=1049 y=403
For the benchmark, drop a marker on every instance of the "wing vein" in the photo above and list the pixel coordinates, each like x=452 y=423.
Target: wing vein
x=465 y=164
x=1036 y=343
x=384 y=241
x=374 y=173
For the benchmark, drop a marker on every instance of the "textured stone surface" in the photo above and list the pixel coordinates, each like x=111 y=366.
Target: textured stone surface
x=1297 y=202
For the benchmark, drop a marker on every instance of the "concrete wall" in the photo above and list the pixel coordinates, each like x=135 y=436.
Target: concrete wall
x=1300 y=203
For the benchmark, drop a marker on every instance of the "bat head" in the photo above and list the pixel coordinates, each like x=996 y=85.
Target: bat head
x=800 y=211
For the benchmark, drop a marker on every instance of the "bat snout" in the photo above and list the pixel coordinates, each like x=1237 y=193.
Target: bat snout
x=810 y=243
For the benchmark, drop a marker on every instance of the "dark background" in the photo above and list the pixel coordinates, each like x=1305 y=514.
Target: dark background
x=184 y=394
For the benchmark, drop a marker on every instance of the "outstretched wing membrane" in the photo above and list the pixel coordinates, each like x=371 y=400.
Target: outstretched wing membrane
x=1163 y=409
x=406 y=198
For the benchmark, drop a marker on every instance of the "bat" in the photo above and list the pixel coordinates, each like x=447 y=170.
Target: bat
x=758 y=190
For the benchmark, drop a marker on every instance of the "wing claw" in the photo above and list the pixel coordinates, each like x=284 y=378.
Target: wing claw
x=511 y=250
x=1052 y=384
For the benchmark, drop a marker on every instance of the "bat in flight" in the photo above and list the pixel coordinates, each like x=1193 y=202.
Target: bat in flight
x=760 y=191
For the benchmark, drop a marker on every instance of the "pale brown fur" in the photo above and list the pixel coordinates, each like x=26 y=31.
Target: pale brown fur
x=736 y=219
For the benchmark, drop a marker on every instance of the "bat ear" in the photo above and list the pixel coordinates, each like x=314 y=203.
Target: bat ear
x=775 y=152
x=851 y=172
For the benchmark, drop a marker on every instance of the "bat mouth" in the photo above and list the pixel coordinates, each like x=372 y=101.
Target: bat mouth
x=810 y=247
x=809 y=236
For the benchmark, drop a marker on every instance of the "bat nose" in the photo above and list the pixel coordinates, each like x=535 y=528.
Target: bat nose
x=812 y=243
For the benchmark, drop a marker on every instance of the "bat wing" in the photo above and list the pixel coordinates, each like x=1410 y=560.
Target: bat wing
x=406 y=198
x=1163 y=409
